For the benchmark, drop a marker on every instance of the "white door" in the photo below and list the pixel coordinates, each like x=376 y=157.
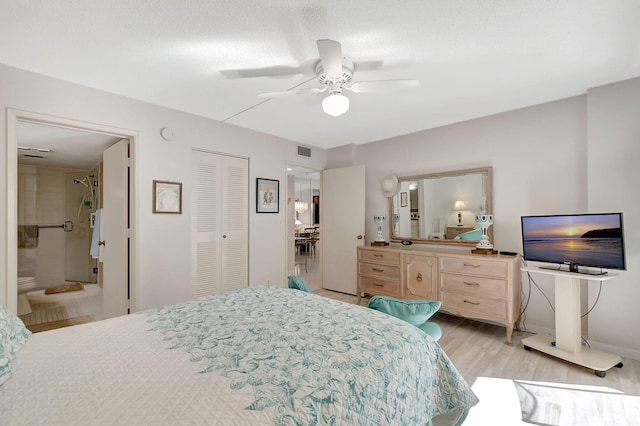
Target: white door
x=220 y=211
x=114 y=230
x=343 y=224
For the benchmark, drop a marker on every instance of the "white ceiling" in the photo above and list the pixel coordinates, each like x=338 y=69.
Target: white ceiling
x=60 y=147
x=473 y=58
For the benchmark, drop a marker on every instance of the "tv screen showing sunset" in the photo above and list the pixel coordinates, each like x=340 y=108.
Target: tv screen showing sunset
x=588 y=240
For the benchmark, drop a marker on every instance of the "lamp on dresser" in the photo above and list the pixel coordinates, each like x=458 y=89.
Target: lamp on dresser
x=459 y=206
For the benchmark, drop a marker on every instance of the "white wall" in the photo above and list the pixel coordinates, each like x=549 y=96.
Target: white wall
x=164 y=261
x=542 y=164
x=613 y=131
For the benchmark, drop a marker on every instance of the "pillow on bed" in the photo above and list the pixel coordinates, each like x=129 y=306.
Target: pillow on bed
x=474 y=235
x=299 y=284
x=13 y=334
x=414 y=312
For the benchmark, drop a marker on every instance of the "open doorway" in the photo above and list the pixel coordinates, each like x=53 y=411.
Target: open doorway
x=67 y=156
x=304 y=226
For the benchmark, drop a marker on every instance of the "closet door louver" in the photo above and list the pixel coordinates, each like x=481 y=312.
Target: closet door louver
x=219 y=223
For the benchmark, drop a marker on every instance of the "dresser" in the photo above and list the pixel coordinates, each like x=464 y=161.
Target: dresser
x=469 y=285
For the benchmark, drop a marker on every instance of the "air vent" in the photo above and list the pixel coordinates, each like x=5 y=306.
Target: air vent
x=303 y=151
x=33 y=156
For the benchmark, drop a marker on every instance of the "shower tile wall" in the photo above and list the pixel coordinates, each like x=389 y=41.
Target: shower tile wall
x=56 y=200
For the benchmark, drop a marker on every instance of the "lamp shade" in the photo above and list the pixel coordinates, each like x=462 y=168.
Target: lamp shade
x=335 y=104
x=458 y=205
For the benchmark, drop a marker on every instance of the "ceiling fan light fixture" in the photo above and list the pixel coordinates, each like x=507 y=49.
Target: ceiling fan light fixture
x=335 y=104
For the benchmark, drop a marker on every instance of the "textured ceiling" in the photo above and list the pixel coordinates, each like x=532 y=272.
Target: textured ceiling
x=473 y=58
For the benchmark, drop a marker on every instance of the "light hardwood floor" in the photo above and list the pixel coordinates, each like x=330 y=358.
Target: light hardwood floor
x=495 y=371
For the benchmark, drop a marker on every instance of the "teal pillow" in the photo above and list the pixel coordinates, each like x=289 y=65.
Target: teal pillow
x=432 y=329
x=414 y=312
x=474 y=235
x=299 y=284
x=13 y=334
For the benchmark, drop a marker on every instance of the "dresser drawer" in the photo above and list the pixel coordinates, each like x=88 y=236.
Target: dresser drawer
x=490 y=288
x=380 y=271
x=380 y=256
x=467 y=305
x=474 y=266
x=377 y=286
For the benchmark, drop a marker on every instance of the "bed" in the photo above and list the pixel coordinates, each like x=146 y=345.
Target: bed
x=256 y=356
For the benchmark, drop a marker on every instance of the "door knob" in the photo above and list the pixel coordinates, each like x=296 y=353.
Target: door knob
x=224 y=236
x=359 y=237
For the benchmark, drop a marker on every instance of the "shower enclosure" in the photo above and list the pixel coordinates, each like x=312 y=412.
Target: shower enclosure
x=55 y=212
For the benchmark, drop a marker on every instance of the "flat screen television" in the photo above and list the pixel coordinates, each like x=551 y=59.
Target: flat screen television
x=594 y=240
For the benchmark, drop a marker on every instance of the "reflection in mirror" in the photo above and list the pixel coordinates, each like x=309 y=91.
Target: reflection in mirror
x=440 y=208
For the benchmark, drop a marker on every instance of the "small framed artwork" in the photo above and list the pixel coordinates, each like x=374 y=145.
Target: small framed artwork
x=403 y=199
x=267 y=195
x=167 y=197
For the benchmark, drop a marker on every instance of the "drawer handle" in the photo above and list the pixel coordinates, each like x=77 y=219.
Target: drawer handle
x=419 y=277
x=471 y=303
x=378 y=285
x=378 y=270
x=471 y=283
x=473 y=265
x=378 y=255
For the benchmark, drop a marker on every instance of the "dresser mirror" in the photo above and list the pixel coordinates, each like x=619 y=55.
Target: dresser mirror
x=440 y=208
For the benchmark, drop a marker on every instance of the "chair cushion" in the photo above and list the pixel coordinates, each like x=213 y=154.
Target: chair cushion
x=299 y=284
x=414 y=312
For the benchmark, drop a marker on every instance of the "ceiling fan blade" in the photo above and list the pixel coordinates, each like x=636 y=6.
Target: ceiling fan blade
x=292 y=92
x=381 y=85
x=331 y=57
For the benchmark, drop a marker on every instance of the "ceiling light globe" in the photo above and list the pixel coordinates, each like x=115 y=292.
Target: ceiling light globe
x=335 y=104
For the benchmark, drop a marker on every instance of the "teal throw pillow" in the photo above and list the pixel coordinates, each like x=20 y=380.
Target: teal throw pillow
x=474 y=235
x=414 y=312
x=299 y=284
x=13 y=334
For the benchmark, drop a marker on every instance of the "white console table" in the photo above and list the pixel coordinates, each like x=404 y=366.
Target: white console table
x=567 y=344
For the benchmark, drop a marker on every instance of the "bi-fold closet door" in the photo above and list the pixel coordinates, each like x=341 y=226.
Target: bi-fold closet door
x=220 y=229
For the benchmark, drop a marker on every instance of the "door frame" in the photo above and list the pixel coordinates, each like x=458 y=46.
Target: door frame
x=11 y=243
x=288 y=217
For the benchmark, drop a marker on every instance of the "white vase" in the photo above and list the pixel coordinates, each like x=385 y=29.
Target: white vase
x=484 y=221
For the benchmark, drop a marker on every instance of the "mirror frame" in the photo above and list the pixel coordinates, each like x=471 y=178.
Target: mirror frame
x=487 y=176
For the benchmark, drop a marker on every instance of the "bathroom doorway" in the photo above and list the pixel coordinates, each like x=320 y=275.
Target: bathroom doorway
x=72 y=191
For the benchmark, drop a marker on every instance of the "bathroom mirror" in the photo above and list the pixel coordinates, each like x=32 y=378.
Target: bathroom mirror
x=440 y=208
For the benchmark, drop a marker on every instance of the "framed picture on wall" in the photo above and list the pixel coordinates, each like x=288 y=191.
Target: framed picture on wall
x=167 y=197
x=267 y=195
x=403 y=199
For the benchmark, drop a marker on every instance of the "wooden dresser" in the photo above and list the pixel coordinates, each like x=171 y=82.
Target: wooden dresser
x=469 y=285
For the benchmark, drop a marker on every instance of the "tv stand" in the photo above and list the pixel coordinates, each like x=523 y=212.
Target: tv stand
x=573 y=269
x=567 y=344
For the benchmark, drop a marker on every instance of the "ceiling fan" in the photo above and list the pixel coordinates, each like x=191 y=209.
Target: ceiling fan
x=335 y=75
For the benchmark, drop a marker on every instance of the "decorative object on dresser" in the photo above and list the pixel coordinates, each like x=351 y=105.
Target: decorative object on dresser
x=466 y=284
x=484 y=221
x=379 y=241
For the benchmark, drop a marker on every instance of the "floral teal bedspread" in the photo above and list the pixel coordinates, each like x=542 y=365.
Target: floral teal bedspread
x=310 y=360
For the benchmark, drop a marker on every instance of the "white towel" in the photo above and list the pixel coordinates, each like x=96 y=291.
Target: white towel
x=96 y=251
